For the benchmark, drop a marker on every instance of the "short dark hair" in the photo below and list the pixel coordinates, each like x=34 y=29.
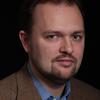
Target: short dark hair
x=28 y=6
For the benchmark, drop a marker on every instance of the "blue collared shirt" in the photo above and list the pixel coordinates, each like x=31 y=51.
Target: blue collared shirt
x=45 y=95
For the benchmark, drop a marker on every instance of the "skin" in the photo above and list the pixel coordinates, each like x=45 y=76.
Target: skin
x=56 y=44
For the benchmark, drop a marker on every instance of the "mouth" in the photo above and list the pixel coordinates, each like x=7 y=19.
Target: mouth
x=65 y=62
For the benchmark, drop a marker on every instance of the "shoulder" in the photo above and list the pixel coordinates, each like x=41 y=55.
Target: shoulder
x=7 y=87
x=11 y=81
x=8 y=81
x=84 y=91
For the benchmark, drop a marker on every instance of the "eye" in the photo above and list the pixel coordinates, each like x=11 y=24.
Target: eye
x=77 y=36
x=51 y=36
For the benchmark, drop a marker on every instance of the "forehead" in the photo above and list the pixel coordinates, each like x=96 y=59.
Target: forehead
x=60 y=16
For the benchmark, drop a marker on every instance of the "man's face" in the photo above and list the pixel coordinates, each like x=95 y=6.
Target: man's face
x=57 y=41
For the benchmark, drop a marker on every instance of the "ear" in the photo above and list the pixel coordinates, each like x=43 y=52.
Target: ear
x=24 y=40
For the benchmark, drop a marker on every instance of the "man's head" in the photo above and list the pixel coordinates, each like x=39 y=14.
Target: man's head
x=55 y=39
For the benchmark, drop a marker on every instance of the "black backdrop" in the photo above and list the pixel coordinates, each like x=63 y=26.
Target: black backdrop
x=12 y=55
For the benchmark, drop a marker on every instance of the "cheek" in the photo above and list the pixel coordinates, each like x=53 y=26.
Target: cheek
x=78 y=51
x=45 y=51
x=48 y=51
x=46 y=55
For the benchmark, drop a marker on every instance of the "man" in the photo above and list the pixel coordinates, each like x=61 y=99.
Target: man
x=52 y=33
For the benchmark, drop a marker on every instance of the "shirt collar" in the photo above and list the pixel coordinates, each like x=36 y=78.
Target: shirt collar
x=42 y=90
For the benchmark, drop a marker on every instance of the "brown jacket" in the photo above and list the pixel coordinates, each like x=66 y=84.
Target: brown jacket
x=19 y=86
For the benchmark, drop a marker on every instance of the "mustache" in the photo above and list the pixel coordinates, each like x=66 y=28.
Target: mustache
x=64 y=56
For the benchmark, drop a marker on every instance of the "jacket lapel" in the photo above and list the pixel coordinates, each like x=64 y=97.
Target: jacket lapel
x=76 y=90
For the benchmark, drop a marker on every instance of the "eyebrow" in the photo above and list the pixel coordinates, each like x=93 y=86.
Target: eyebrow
x=79 y=32
x=61 y=33
x=51 y=32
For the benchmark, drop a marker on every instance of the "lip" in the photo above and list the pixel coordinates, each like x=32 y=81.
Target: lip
x=65 y=62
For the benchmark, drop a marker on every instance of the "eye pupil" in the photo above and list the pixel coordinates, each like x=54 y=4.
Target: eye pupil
x=51 y=36
x=76 y=37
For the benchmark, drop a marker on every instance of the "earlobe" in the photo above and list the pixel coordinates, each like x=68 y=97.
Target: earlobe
x=24 y=40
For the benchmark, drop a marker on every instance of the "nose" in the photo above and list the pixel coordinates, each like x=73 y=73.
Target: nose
x=66 y=46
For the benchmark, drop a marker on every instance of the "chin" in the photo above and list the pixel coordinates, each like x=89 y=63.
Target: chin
x=61 y=79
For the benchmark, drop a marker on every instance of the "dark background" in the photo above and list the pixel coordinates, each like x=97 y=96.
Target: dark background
x=12 y=55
